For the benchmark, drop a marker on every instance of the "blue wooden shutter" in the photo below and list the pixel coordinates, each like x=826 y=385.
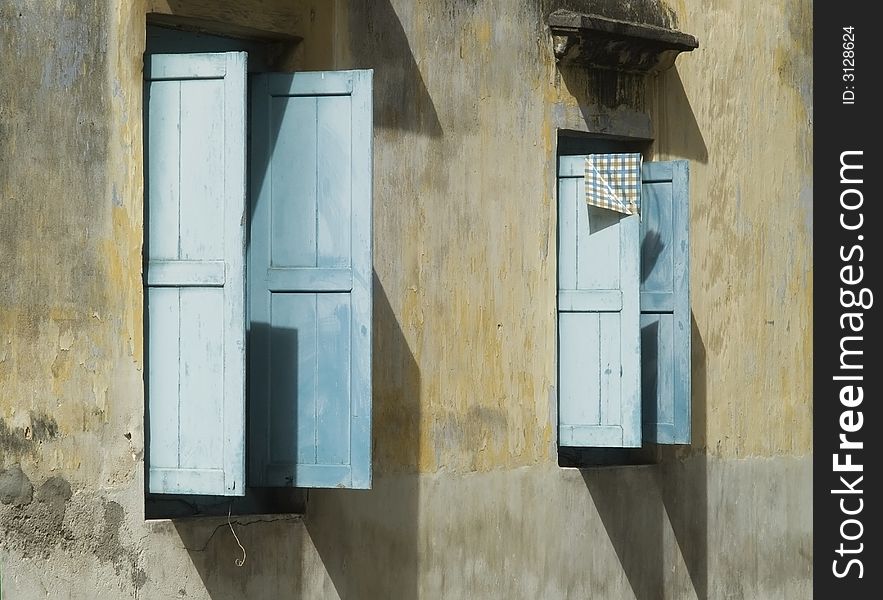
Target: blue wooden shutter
x=195 y=288
x=665 y=302
x=598 y=313
x=310 y=280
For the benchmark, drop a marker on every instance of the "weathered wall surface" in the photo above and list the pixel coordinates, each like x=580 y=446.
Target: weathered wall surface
x=468 y=499
x=741 y=108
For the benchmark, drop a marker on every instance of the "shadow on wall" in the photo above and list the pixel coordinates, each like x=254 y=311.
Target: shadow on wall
x=367 y=540
x=674 y=121
x=638 y=504
x=619 y=104
x=378 y=41
x=272 y=567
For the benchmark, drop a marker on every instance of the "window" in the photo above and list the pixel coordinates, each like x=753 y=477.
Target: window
x=623 y=312
x=258 y=286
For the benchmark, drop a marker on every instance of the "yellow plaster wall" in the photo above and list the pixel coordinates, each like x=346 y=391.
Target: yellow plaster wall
x=70 y=238
x=740 y=108
x=467 y=104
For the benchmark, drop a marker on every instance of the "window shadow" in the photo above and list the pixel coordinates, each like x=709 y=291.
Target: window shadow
x=367 y=539
x=600 y=219
x=266 y=522
x=651 y=248
x=639 y=504
x=684 y=477
x=629 y=502
x=273 y=555
x=649 y=375
x=378 y=41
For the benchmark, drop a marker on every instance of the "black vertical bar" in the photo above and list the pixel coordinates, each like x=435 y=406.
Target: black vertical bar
x=847 y=264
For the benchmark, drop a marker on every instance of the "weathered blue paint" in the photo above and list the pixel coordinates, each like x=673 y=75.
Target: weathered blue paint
x=195 y=280
x=665 y=302
x=598 y=313
x=310 y=278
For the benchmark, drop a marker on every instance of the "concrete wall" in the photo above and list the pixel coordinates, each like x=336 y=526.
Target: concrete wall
x=468 y=499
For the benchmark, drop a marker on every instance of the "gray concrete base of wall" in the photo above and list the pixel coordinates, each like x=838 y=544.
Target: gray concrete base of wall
x=703 y=528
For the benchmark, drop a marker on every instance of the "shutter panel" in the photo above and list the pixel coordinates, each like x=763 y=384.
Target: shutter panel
x=665 y=302
x=598 y=311
x=310 y=280
x=195 y=288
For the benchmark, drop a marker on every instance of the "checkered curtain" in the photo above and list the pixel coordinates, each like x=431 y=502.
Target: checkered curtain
x=613 y=181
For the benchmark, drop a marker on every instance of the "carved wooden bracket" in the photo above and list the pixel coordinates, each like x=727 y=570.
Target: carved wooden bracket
x=597 y=41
